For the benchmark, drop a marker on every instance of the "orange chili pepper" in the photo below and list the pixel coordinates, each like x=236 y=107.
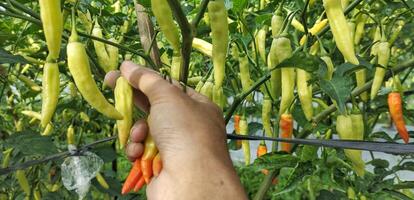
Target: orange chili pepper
x=261 y=149
x=140 y=184
x=237 y=130
x=396 y=112
x=134 y=176
x=146 y=161
x=157 y=165
x=286 y=126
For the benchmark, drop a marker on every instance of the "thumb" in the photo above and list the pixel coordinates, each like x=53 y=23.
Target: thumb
x=148 y=82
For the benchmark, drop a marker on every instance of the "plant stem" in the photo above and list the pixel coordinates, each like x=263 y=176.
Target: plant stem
x=187 y=34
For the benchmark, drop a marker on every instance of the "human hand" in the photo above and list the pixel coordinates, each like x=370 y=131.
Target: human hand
x=190 y=134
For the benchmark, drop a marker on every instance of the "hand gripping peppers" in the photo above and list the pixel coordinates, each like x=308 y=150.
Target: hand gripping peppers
x=340 y=30
x=124 y=104
x=220 y=37
x=396 y=112
x=383 y=54
x=52 y=21
x=78 y=64
x=50 y=91
x=284 y=51
x=150 y=151
x=351 y=127
x=305 y=92
x=286 y=127
x=244 y=130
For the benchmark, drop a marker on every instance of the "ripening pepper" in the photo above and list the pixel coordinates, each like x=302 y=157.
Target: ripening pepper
x=396 y=112
x=244 y=130
x=286 y=127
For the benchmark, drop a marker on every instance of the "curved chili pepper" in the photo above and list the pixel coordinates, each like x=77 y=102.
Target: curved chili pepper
x=78 y=64
x=396 y=112
x=340 y=30
x=133 y=177
x=124 y=104
x=150 y=151
x=50 y=91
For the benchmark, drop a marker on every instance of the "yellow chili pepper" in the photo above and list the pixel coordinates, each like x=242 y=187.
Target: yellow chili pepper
x=50 y=92
x=52 y=21
x=340 y=30
x=78 y=64
x=124 y=104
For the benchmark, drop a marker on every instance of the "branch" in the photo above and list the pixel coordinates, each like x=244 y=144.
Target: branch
x=187 y=34
x=39 y=23
x=358 y=91
x=7 y=170
x=146 y=33
x=25 y=9
x=200 y=14
x=385 y=147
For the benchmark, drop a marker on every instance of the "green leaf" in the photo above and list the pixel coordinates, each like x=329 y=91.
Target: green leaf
x=6 y=57
x=264 y=19
x=106 y=152
x=339 y=89
x=238 y=5
x=308 y=153
x=32 y=144
x=303 y=61
x=381 y=163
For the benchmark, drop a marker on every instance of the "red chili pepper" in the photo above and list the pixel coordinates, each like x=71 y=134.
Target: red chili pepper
x=134 y=176
x=396 y=111
x=140 y=184
x=286 y=126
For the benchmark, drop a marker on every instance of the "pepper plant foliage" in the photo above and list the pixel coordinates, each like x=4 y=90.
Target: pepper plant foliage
x=307 y=173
